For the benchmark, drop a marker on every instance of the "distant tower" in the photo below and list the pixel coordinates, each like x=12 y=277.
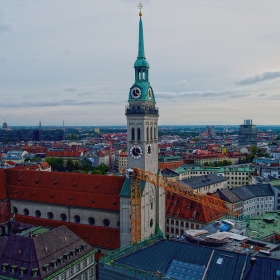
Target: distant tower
x=247 y=134
x=5 y=125
x=40 y=125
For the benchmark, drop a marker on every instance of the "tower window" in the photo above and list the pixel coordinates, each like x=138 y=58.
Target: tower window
x=132 y=134
x=139 y=76
x=143 y=76
x=151 y=133
x=138 y=134
x=155 y=133
x=147 y=133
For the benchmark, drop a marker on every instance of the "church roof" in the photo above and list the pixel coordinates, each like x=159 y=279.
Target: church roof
x=91 y=191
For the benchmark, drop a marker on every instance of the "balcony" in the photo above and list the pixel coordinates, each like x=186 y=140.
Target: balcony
x=141 y=110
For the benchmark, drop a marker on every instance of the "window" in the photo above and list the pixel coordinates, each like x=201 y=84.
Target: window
x=78 y=267
x=132 y=134
x=85 y=263
x=147 y=133
x=77 y=219
x=91 y=272
x=63 y=276
x=91 y=259
x=35 y=272
x=85 y=276
x=91 y=221
x=151 y=133
x=50 y=215
x=151 y=223
x=152 y=205
x=25 y=211
x=138 y=134
x=38 y=213
x=106 y=222
x=63 y=217
x=155 y=134
x=71 y=271
x=15 y=210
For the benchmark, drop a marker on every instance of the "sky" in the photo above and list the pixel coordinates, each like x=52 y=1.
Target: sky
x=212 y=62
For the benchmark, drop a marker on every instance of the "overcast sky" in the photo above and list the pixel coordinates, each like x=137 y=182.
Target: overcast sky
x=211 y=61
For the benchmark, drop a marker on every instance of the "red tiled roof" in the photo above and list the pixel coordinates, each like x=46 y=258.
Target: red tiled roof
x=91 y=191
x=184 y=208
x=3 y=191
x=63 y=154
x=105 y=237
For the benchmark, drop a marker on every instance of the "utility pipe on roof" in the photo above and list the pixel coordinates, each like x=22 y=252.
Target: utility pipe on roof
x=208 y=264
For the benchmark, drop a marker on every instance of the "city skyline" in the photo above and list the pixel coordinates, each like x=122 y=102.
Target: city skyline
x=211 y=63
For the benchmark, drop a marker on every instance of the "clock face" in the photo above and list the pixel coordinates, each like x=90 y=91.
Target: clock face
x=136 y=151
x=135 y=92
x=149 y=150
x=150 y=93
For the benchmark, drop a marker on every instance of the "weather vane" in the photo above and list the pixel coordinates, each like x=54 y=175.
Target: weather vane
x=140 y=6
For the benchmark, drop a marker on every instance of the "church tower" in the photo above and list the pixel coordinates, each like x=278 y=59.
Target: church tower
x=142 y=145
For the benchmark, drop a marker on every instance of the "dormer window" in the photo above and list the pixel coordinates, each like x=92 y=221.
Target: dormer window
x=84 y=247
x=78 y=250
x=46 y=267
x=13 y=268
x=73 y=253
x=5 y=266
x=35 y=272
x=60 y=259
x=54 y=263
x=66 y=256
x=22 y=271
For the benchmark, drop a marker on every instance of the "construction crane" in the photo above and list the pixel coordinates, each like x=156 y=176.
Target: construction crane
x=137 y=175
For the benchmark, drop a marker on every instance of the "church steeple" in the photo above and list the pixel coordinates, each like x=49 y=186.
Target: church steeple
x=141 y=89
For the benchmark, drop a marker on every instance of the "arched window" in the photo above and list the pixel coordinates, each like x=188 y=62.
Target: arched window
x=106 y=222
x=138 y=134
x=77 y=219
x=151 y=135
x=37 y=213
x=155 y=133
x=139 y=76
x=63 y=217
x=15 y=210
x=132 y=133
x=151 y=223
x=50 y=215
x=25 y=211
x=147 y=133
x=143 y=76
x=91 y=221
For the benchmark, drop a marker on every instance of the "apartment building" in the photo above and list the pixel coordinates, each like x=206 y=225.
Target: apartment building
x=237 y=176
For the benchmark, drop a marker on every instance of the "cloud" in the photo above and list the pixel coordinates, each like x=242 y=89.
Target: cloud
x=200 y=94
x=258 y=78
x=54 y=103
x=71 y=89
x=262 y=94
x=182 y=83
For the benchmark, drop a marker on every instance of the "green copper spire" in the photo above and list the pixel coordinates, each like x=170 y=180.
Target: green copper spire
x=141 y=51
x=141 y=60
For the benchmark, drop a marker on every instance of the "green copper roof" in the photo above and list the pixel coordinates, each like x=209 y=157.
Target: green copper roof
x=141 y=60
x=182 y=169
x=125 y=192
x=141 y=51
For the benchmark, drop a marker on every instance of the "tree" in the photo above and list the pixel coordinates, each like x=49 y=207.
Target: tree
x=70 y=165
x=254 y=150
x=57 y=164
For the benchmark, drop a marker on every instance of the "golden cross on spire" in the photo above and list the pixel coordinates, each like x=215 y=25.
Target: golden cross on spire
x=140 y=6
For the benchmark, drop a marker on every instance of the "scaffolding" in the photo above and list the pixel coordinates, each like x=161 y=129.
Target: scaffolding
x=135 y=195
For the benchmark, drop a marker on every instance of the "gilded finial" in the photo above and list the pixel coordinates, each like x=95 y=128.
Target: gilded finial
x=140 y=6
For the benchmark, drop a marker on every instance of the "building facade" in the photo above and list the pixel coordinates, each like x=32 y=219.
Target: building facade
x=247 y=135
